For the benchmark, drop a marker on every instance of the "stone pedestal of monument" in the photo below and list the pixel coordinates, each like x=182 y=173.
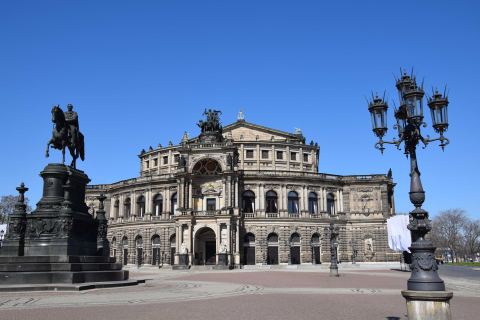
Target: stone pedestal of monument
x=428 y=305
x=57 y=246
x=222 y=263
x=182 y=262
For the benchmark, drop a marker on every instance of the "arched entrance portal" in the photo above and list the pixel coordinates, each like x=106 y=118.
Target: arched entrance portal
x=205 y=247
x=295 y=248
x=272 y=249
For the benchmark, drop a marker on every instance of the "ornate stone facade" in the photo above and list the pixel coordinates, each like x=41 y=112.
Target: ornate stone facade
x=248 y=191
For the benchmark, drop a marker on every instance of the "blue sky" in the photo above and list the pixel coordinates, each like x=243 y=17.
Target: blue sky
x=141 y=72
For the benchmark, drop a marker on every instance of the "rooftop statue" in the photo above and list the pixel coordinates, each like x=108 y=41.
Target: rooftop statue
x=66 y=134
x=213 y=121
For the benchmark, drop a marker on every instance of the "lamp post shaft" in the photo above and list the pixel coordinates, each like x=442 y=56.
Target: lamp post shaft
x=424 y=276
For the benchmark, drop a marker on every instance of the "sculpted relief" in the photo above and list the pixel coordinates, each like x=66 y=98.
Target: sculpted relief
x=365 y=200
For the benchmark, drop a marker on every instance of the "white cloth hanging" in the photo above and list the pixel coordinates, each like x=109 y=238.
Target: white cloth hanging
x=399 y=237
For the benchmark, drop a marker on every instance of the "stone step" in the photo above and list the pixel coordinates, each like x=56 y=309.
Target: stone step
x=56 y=259
x=69 y=287
x=42 y=267
x=10 y=278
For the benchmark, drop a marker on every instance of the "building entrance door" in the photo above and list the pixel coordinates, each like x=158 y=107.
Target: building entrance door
x=249 y=255
x=272 y=255
x=139 y=256
x=205 y=249
x=210 y=252
x=125 y=256
x=295 y=255
x=316 y=255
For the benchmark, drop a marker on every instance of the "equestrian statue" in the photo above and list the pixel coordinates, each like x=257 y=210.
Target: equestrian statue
x=66 y=134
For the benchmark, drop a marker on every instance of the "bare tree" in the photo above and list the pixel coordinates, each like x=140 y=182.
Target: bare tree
x=448 y=228
x=471 y=233
x=7 y=206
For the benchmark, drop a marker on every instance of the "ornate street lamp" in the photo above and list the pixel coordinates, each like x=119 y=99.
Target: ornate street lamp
x=409 y=120
x=333 y=250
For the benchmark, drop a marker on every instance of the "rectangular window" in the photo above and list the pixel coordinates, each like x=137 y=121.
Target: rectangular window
x=264 y=154
x=293 y=156
x=165 y=160
x=155 y=162
x=211 y=204
x=305 y=157
x=249 y=154
x=279 y=155
x=147 y=164
x=176 y=158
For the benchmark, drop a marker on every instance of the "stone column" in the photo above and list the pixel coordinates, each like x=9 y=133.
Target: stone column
x=235 y=193
x=190 y=195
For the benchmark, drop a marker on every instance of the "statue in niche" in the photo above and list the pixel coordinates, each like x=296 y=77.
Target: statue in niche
x=183 y=248
x=223 y=247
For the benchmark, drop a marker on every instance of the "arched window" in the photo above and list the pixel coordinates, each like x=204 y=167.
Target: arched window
x=158 y=204
x=248 y=202
x=312 y=203
x=293 y=202
x=271 y=202
x=127 y=206
x=173 y=203
x=141 y=206
x=315 y=239
x=330 y=204
x=295 y=239
x=207 y=167
x=272 y=239
x=116 y=208
x=249 y=240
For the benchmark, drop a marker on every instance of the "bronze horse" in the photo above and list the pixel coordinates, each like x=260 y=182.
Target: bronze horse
x=61 y=138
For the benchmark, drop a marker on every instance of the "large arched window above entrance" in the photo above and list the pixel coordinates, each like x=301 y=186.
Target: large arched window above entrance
x=248 y=202
x=271 y=201
x=293 y=202
x=207 y=167
x=312 y=203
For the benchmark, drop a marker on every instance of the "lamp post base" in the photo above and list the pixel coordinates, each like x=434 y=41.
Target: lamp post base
x=428 y=305
x=334 y=272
